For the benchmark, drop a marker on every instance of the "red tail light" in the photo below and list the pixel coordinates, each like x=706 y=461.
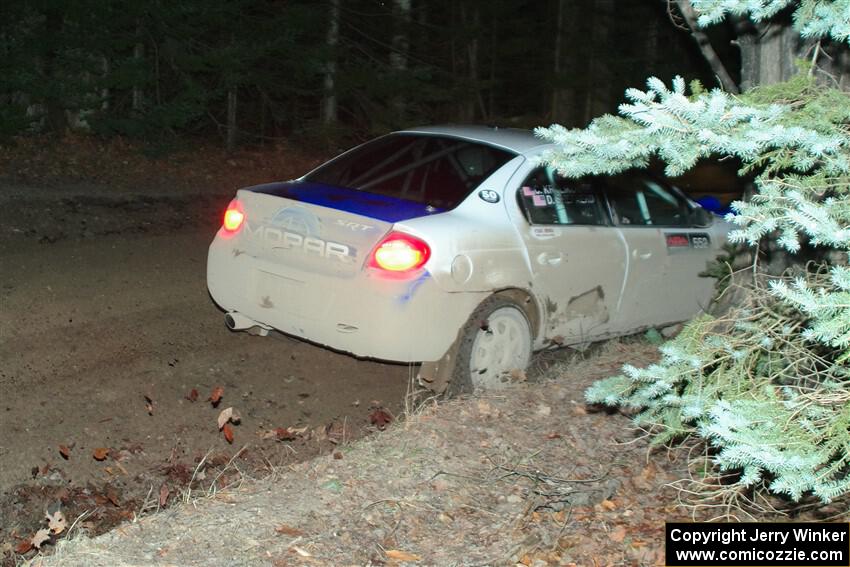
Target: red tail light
x=399 y=252
x=234 y=216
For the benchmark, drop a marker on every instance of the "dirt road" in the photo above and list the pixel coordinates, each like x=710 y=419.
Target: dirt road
x=106 y=328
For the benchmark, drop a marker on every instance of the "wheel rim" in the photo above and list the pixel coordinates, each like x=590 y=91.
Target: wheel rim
x=502 y=345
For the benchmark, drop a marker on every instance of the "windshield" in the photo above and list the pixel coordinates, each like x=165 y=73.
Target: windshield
x=434 y=170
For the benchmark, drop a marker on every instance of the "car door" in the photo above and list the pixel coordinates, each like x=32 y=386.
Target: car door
x=669 y=245
x=577 y=258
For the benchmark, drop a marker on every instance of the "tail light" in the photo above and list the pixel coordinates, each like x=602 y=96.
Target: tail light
x=234 y=216
x=399 y=252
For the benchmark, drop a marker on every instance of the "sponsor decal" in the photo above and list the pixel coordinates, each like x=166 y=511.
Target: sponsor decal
x=298 y=220
x=542 y=197
x=295 y=228
x=678 y=241
x=545 y=232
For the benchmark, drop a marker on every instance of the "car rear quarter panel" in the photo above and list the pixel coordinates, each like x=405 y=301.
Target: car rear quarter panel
x=475 y=247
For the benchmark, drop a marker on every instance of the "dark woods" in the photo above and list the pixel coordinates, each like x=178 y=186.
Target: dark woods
x=246 y=71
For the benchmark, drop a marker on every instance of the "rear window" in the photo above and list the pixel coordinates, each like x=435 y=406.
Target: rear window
x=433 y=170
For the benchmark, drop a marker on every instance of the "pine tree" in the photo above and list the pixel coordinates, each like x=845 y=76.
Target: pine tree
x=767 y=386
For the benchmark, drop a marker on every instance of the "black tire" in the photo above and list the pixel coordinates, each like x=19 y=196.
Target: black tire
x=509 y=349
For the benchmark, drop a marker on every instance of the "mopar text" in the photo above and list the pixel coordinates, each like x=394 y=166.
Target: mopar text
x=272 y=237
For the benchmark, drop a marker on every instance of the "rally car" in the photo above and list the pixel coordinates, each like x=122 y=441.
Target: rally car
x=459 y=248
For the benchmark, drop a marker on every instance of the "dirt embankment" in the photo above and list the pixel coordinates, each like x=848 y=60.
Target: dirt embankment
x=527 y=476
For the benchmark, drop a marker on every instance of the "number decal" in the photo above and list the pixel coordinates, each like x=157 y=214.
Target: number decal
x=488 y=196
x=699 y=241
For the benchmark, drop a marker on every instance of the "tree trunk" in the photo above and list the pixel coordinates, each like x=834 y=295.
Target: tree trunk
x=105 y=94
x=329 y=103
x=706 y=48
x=138 y=56
x=471 y=25
x=768 y=52
x=494 y=56
x=231 y=118
x=598 y=91
x=56 y=120
x=842 y=68
x=557 y=87
x=400 y=49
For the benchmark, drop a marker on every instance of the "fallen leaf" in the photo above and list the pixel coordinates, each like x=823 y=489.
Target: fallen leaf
x=192 y=396
x=226 y=415
x=284 y=434
x=56 y=522
x=215 y=396
x=149 y=405
x=163 y=495
x=608 y=505
x=228 y=432
x=112 y=496
x=23 y=547
x=40 y=538
x=65 y=452
x=380 y=418
x=484 y=408
x=553 y=435
x=288 y=530
x=618 y=534
x=100 y=453
x=337 y=455
x=399 y=555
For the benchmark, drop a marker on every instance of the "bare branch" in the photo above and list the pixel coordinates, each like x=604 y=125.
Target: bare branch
x=706 y=48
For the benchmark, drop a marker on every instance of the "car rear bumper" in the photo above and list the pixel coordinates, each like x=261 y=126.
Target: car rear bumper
x=407 y=320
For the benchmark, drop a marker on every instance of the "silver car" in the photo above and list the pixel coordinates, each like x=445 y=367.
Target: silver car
x=455 y=247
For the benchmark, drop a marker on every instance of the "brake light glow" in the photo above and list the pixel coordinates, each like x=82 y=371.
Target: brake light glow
x=399 y=252
x=234 y=216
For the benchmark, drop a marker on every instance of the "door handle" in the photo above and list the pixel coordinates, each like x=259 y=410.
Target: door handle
x=552 y=259
x=642 y=254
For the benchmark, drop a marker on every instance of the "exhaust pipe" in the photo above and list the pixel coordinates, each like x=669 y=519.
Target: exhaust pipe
x=235 y=321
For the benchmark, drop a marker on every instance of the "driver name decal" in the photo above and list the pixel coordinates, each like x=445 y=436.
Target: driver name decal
x=680 y=241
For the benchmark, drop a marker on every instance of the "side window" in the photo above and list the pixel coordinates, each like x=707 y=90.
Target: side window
x=642 y=201
x=548 y=198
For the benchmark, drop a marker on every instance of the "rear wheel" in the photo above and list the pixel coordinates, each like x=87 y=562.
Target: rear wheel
x=495 y=340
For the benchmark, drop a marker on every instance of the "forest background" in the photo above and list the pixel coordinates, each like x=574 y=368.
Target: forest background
x=245 y=72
